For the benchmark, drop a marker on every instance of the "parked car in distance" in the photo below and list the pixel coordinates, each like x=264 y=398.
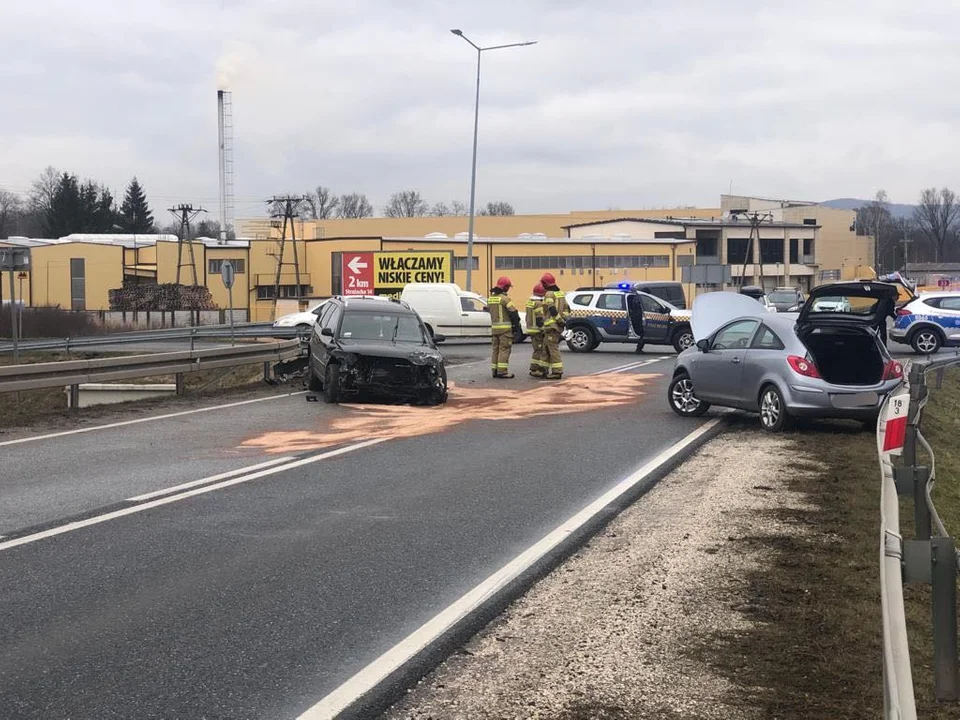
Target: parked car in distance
x=821 y=364
x=447 y=309
x=599 y=315
x=757 y=293
x=301 y=320
x=671 y=292
x=929 y=322
x=786 y=299
x=374 y=346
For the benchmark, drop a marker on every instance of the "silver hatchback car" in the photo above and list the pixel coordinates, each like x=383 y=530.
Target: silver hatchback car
x=826 y=361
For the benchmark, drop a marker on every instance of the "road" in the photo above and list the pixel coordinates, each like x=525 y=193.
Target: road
x=303 y=541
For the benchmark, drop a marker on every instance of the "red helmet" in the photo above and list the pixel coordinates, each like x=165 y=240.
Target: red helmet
x=504 y=283
x=538 y=289
x=548 y=279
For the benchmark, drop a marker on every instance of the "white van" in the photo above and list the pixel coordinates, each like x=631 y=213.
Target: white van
x=448 y=310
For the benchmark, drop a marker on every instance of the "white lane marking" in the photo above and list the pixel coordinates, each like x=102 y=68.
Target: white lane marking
x=211 y=478
x=70 y=527
x=631 y=366
x=378 y=670
x=147 y=419
x=478 y=362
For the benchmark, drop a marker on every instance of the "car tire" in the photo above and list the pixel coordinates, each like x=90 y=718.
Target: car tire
x=582 y=339
x=682 y=338
x=681 y=397
x=773 y=410
x=331 y=383
x=314 y=384
x=926 y=341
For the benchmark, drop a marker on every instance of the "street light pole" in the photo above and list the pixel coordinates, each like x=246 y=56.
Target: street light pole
x=476 y=127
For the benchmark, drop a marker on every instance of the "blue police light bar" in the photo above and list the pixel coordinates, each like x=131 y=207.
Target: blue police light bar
x=624 y=286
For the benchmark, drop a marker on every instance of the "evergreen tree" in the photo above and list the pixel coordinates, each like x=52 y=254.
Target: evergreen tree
x=76 y=208
x=135 y=215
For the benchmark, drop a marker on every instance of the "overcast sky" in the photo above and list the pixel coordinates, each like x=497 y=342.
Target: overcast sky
x=626 y=104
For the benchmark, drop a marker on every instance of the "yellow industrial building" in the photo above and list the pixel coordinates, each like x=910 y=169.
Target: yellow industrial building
x=800 y=244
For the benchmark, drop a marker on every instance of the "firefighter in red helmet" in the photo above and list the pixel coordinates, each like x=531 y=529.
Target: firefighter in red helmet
x=504 y=318
x=555 y=313
x=538 y=364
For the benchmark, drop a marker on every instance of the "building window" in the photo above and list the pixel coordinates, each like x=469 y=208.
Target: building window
x=794 y=250
x=771 y=251
x=78 y=284
x=460 y=263
x=737 y=250
x=670 y=235
x=266 y=292
x=808 y=250
x=215 y=266
x=572 y=262
x=809 y=221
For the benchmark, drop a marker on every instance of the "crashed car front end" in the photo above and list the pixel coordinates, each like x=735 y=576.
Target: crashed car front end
x=412 y=375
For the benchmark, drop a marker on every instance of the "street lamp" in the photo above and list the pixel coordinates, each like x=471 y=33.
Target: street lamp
x=476 y=123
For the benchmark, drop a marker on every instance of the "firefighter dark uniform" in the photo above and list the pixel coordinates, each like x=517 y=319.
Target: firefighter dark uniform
x=534 y=318
x=503 y=318
x=555 y=313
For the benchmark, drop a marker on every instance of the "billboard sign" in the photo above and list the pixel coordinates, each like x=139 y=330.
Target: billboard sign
x=386 y=273
x=14 y=259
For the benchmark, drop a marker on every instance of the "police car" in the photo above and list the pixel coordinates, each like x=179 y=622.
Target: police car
x=599 y=315
x=929 y=322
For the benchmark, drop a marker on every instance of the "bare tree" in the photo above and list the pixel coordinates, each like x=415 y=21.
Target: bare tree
x=458 y=208
x=497 y=208
x=936 y=217
x=354 y=205
x=44 y=190
x=10 y=207
x=440 y=209
x=406 y=203
x=320 y=205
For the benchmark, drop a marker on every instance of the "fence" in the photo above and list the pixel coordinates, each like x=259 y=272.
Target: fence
x=930 y=557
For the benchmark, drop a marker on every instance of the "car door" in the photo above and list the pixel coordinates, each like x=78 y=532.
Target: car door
x=474 y=317
x=611 y=317
x=766 y=349
x=320 y=346
x=656 y=320
x=717 y=372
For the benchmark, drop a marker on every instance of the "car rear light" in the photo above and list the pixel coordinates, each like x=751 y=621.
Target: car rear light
x=903 y=312
x=892 y=370
x=802 y=366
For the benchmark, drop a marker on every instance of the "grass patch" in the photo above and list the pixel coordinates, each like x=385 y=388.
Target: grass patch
x=941 y=428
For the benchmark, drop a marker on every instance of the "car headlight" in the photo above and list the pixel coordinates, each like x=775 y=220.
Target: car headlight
x=283 y=322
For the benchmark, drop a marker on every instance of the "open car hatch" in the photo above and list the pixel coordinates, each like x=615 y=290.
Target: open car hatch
x=860 y=303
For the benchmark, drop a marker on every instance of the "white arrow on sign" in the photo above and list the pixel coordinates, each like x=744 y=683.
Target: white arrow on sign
x=356 y=266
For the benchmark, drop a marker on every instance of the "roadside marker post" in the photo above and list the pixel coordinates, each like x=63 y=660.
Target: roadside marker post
x=228 y=275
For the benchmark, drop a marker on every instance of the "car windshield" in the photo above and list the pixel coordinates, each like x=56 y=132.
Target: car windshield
x=389 y=327
x=782 y=296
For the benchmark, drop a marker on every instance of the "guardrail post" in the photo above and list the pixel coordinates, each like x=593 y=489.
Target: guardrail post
x=75 y=397
x=921 y=513
x=944 y=578
x=266 y=371
x=181 y=385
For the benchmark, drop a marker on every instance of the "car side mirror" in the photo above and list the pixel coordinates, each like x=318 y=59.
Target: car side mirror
x=328 y=332
x=439 y=338
x=703 y=345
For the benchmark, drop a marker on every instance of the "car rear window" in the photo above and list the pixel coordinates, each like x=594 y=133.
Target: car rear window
x=782 y=296
x=843 y=304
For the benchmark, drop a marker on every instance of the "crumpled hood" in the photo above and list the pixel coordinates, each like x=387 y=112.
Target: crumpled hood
x=417 y=354
x=714 y=309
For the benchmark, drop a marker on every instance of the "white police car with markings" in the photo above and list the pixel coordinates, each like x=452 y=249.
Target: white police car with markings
x=613 y=315
x=929 y=322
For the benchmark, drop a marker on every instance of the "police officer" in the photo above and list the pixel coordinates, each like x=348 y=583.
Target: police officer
x=555 y=313
x=503 y=319
x=538 y=365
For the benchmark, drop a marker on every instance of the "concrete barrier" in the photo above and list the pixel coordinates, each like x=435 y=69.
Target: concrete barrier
x=107 y=393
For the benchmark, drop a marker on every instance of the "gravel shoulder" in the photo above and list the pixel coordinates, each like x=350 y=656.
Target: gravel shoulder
x=638 y=623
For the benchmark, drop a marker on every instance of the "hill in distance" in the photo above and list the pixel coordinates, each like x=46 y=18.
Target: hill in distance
x=898 y=210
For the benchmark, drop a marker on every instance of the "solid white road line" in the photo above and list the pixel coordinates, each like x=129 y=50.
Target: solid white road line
x=70 y=527
x=211 y=478
x=147 y=419
x=368 y=678
x=631 y=366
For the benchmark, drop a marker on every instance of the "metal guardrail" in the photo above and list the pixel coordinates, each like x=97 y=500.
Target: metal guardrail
x=241 y=330
x=36 y=376
x=929 y=557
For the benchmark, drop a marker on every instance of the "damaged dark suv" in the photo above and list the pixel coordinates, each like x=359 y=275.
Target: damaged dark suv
x=378 y=347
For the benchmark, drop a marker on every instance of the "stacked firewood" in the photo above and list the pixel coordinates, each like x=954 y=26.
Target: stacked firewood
x=166 y=296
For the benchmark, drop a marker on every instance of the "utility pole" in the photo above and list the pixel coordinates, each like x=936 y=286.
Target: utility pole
x=286 y=208
x=756 y=219
x=185 y=214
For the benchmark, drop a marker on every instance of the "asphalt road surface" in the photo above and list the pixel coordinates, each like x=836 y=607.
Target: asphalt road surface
x=244 y=560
